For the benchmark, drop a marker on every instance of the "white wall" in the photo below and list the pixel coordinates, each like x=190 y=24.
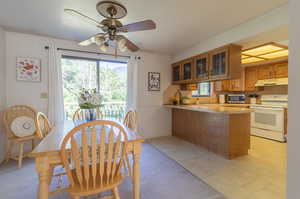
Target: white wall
x=294 y=99
x=2 y=91
x=271 y=20
x=154 y=120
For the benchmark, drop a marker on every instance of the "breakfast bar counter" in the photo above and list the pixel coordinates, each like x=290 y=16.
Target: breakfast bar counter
x=220 y=129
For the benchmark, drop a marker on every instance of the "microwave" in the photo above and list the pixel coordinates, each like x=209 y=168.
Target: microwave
x=236 y=98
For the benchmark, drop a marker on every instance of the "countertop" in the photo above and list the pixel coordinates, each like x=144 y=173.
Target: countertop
x=215 y=108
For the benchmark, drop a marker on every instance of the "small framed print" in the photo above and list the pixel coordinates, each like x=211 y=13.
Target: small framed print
x=28 y=69
x=153 y=81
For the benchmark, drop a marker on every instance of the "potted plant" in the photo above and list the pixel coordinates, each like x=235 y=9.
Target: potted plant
x=89 y=100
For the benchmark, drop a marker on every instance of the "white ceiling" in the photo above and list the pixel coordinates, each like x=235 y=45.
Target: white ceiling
x=180 y=24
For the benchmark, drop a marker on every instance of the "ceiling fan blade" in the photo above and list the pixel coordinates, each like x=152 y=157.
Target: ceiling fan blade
x=82 y=16
x=139 y=26
x=90 y=40
x=130 y=45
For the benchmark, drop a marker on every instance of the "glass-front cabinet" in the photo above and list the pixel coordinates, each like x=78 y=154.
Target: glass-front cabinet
x=219 y=64
x=201 y=67
x=176 y=73
x=187 y=70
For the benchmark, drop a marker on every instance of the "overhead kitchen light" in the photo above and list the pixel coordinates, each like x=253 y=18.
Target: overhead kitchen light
x=282 y=53
x=251 y=60
x=264 y=52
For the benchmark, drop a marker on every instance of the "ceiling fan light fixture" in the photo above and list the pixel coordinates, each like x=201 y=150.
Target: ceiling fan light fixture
x=121 y=43
x=103 y=47
x=99 y=40
x=123 y=49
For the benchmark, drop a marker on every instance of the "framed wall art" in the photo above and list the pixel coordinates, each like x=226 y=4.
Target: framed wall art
x=28 y=69
x=153 y=81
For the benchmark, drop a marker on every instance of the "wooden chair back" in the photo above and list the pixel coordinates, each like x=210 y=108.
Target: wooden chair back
x=130 y=120
x=80 y=114
x=12 y=113
x=43 y=125
x=93 y=154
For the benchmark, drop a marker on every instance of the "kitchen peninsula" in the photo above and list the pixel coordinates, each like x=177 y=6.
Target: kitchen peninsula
x=221 y=129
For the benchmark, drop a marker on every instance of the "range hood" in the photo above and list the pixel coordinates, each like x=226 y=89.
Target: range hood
x=272 y=82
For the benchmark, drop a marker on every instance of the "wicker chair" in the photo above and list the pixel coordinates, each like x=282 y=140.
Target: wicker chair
x=10 y=114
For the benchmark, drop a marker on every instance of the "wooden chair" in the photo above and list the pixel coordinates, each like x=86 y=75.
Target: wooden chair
x=43 y=128
x=43 y=125
x=80 y=114
x=130 y=120
x=93 y=155
x=10 y=114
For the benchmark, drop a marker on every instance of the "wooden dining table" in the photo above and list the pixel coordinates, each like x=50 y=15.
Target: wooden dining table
x=47 y=155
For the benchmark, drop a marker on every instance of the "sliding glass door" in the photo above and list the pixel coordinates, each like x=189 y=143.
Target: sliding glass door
x=108 y=77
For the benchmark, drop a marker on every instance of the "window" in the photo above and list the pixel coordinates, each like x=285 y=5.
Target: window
x=108 y=77
x=203 y=90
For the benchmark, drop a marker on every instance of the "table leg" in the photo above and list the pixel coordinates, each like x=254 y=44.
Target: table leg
x=137 y=149
x=43 y=169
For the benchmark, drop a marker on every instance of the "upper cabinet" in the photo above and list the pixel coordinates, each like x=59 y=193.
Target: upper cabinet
x=272 y=71
x=281 y=70
x=187 y=70
x=266 y=72
x=219 y=64
x=201 y=67
x=250 y=78
x=176 y=72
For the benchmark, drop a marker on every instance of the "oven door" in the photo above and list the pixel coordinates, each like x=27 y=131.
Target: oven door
x=268 y=118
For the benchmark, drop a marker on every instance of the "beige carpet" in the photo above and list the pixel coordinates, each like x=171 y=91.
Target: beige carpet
x=162 y=178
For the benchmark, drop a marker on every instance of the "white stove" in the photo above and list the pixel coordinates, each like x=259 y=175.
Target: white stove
x=268 y=118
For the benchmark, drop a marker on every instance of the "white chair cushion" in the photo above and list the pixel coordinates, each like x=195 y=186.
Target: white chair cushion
x=23 y=126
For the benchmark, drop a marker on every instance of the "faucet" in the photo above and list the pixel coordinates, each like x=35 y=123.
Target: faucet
x=178 y=92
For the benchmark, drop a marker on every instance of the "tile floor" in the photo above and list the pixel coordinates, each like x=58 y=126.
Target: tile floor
x=260 y=175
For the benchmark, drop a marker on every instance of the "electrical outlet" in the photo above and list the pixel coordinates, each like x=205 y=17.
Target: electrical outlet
x=44 y=95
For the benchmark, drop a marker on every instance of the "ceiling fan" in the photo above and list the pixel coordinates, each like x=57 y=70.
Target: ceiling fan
x=111 y=27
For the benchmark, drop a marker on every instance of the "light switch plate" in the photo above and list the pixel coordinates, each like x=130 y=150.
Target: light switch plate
x=44 y=95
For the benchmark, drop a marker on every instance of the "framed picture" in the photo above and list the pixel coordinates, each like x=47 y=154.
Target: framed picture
x=153 y=81
x=28 y=69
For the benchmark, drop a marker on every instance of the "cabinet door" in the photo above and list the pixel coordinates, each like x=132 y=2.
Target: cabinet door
x=236 y=85
x=187 y=67
x=250 y=78
x=201 y=67
x=281 y=70
x=176 y=72
x=223 y=85
x=219 y=64
x=265 y=72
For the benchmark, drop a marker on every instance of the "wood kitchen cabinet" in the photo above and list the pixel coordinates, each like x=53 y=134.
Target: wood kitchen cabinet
x=201 y=67
x=272 y=71
x=219 y=64
x=236 y=84
x=176 y=73
x=281 y=70
x=250 y=78
x=265 y=72
x=231 y=85
x=222 y=85
x=225 y=63
x=187 y=70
